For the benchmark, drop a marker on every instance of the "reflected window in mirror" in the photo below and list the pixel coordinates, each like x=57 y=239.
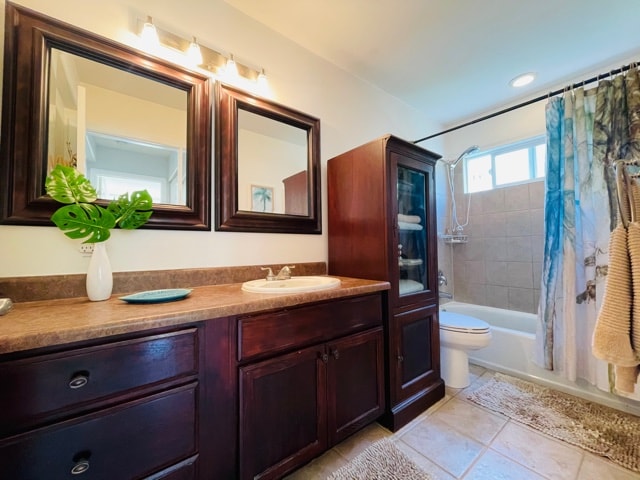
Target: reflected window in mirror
x=125 y=119
x=267 y=165
x=117 y=165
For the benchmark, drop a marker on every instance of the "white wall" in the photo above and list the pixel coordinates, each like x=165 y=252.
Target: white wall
x=351 y=112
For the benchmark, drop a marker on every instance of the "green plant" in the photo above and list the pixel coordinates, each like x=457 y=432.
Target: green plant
x=81 y=218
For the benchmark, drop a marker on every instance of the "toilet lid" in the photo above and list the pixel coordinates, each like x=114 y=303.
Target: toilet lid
x=456 y=322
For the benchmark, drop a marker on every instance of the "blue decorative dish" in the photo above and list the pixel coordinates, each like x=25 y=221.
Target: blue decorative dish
x=157 y=296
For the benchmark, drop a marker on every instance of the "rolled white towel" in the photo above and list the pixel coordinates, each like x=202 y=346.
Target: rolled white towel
x=409 y=286
x=408 y=218
x=409 y=226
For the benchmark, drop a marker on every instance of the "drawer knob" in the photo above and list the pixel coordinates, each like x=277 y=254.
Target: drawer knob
x=80 y=467
x=79 y=380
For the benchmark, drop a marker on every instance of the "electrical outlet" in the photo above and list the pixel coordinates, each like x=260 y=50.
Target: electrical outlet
x=86 y=249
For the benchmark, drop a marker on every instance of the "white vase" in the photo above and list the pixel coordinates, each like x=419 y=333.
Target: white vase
x=99 y=276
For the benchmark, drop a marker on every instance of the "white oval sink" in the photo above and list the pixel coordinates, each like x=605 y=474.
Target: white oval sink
x=291 y=285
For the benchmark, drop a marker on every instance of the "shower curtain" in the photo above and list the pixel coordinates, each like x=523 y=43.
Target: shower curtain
x=587 y=130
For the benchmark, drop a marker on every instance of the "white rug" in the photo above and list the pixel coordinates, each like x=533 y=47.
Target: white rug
x=596 y=428
x=381 y=461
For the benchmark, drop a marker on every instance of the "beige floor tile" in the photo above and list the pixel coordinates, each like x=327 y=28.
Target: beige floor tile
x=451 y=392
x=596 y=468
x=475 y=422
x=443 y=445
x=493 y=466
x=424 y=463
x=427 y=413
x=320 y=468
x=544 y=455
x=475 y=372
x=360 y=441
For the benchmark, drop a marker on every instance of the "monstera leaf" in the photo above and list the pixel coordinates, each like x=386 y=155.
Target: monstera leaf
x=67 y=185
x=84 y=220
x=80 y=218
x=132 y=213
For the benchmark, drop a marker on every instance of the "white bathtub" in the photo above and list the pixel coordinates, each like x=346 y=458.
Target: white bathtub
x=511 y=352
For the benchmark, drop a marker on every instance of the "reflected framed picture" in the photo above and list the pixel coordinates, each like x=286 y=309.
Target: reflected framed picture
x=261 y=198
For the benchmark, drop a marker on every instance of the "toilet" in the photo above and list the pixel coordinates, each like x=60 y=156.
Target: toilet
x=460 y=334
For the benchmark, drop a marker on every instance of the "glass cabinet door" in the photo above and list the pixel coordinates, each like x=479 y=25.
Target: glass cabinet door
x=412 y=228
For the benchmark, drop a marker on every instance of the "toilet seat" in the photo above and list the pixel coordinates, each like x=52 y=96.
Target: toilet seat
x=455 y=322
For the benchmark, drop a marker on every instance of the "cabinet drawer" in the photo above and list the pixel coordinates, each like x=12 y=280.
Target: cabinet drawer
x=268 y=333
x=184 y=470
x=128 y=441
x=36 y=386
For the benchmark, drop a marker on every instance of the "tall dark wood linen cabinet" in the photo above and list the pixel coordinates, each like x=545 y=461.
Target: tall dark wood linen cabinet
x=382 y=226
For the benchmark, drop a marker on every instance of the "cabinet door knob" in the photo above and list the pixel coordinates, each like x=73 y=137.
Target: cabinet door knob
x=80 y=467
x=79 y=380
x=400 y=358
x=335 y=353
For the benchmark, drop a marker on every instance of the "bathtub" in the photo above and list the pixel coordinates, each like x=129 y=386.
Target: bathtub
x=511 y=352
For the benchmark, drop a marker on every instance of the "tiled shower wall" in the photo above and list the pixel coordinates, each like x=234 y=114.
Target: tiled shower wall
x=500 y=266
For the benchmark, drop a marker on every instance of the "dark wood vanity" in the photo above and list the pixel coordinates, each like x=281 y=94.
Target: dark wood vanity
x=223 y=385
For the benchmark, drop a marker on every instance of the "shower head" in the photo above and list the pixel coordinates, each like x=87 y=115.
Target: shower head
x=453 y=163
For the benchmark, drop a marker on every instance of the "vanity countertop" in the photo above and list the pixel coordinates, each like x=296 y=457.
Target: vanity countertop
x=54 y=322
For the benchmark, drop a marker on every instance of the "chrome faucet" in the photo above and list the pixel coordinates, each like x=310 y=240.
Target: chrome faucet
x=283 y=274
x=270 y=275
x=442 y=280
x=442 y=294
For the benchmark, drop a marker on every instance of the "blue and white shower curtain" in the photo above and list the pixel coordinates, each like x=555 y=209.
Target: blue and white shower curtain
x=587 y=130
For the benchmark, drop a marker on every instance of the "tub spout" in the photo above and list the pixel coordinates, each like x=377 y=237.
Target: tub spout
x=442 y=294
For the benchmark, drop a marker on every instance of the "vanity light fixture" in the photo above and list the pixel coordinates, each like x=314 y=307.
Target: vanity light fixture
x=522 y=80
x=175 y=48
x=149 y=34
x=194 y=54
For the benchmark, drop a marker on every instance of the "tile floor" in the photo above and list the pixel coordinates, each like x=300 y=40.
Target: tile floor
x=456 y=439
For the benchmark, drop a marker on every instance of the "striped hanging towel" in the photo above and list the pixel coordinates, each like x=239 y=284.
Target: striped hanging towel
x=614 y=338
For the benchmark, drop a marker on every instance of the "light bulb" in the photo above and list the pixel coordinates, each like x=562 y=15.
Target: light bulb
x=262 y=84
x=149 y=35
x=194 y=54
x=262 y=77
x=231 y=70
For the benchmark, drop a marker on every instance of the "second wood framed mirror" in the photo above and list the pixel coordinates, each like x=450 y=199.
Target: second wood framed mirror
x=267 y=165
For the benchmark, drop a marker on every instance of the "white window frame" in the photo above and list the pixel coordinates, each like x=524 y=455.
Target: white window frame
x=530 y=144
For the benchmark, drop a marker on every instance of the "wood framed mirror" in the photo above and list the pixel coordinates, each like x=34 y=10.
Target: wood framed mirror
x=267 y=165
x=72 y=96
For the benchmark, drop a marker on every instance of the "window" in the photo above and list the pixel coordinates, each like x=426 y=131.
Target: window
x=506 y=165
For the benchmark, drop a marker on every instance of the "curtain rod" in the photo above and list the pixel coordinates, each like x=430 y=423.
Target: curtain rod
x=529 y=102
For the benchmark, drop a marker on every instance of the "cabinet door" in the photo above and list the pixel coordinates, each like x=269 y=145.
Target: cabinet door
x=413 y=249
x=415 y=347
x=282 y=413
x=355 y=383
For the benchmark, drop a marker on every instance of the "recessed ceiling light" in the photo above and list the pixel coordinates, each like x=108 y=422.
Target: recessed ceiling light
x=522 y=80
